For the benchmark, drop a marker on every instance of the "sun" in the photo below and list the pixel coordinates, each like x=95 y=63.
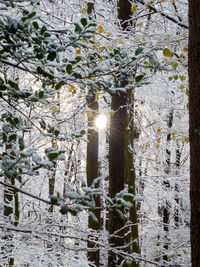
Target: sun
x=101 y=121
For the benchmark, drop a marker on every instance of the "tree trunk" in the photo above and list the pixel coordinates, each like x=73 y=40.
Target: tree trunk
x=116 y=172
x=11 y=206
x=121 y=168
x=194 y=127
x=93 y=173
x=167 y=206
x=92 y=167
x=130 y=171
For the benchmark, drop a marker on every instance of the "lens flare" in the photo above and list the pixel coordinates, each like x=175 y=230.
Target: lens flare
x=101 y=122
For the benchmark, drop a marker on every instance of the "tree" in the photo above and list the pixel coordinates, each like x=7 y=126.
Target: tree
x=56 y=50
x=194 y=127
x=121 y=168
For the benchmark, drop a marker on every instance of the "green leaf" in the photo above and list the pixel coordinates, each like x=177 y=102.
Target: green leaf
x=4 y=135
x=77 y=75
x=78 y=59
x=168 y=53
x=53 y=155
x=92 y=24
x=139 y=78
x=31 y=15
x=64 y=209
x=128 y=197
x=69 y=69
x=46 y=34
x=56 y=132
x=3 y=87
x=21 y=143
x=139 y=51
x=60 y=84
x=13 y=84
x=12 y=137
x=53 y=199
x=84 y=21
x=43 y=30
x=43 y=124
x=35 y=25
x=51 y=56
x=41 y=94
x=82 y=132
x=78 y=28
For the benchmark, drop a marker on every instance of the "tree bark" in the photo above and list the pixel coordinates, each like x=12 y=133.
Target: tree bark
x=194 y=127
x=116 y=173
x=121 y=168
x=92 y=173
x=92 y=167
x=166 y=183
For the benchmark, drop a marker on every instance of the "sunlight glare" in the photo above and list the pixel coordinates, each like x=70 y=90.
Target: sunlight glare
x=101 y=122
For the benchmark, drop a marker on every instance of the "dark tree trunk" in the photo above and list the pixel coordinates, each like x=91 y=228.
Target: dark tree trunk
x=194 y=127
x=11 y=206
x=92 y=167
x=166 y=208
x=116 y=172
x=93 y=173
x=176 y=187
x=121 y=169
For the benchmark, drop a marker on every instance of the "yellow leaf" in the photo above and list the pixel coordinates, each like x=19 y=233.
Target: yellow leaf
x=100 y=29
x=111 y=48
x=97 y=96
x=55 y=109
x=147 y=4
x=182 y=86
x=121 y=41
x=173 y=135
x=89 y=114
x=168 y=53
x=112 y=113
x=157 y=146
x=158 y=140
x=83 y=11
x=187 y=140
x=108 y=34
x=133 y=9
x=187 y=106
x=185 y=49
x=78 y=51
x=158 y=131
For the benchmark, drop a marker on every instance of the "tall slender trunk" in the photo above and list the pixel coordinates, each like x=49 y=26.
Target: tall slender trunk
x=194 y=127
x=167 y=205
x=176 y=187
x=52 y=177
x=11 y=206
x=130 y=170
x=116 y=173
x=92 y=167
x=121 y=167
x=93 y=173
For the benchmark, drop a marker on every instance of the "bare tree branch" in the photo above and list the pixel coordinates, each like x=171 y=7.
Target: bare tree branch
x=26 y=193
x=164 y=15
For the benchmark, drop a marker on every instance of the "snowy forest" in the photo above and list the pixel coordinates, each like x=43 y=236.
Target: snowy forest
x=99 y=133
